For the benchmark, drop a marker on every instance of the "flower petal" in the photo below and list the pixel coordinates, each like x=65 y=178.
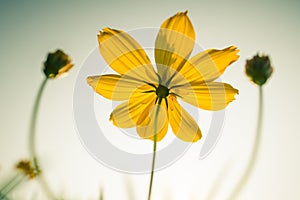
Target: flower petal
x=182 y=123
x=147 y=122
x=206 y=66
x=127 y=114
x=174 y=43
x=116 y=87
x=209 y=96
x=123 y=54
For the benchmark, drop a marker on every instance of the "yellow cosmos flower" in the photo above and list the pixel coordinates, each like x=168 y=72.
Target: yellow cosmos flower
x=151 y=96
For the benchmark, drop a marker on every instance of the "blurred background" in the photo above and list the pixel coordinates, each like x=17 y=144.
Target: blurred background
x=30 y=29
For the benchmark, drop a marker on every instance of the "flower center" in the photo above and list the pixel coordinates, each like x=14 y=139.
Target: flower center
x=162 y=92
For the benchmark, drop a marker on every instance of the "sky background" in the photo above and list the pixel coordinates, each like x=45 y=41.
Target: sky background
x=30 y=29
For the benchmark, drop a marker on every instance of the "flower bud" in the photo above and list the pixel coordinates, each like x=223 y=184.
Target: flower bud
x=57 y=64
x=27 y=169
x=259 y=69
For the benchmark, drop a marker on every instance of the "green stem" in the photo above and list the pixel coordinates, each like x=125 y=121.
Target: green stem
x=32 y=129
x=154 y=149
x=10 y=182
x=255 y=150
x=7 y=187
x=32 y=141
x=3 y=197
x=17 y=180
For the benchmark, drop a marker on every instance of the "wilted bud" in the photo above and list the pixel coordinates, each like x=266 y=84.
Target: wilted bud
x=27 y=169
x=57 y=64
x=259 y=69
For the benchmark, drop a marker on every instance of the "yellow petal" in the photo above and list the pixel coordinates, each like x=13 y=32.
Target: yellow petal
x=127 y=114
x=174 y=43
x=156 y=115
x=115 y=87
x=209 y=96
x=206 y=66
x=123 y=54
x=182 y=123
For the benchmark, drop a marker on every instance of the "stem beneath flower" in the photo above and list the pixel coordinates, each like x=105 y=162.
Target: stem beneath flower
x=154 y=148
x=255 y=150
x=32 y=134
x=32 y=143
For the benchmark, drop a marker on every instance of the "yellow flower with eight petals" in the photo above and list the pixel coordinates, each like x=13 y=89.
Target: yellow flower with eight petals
x=151 y=96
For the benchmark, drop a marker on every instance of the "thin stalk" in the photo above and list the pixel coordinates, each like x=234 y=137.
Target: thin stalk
x=12 y=186
x=32 y=128
x=101 y=197
x=32 y=141
x=154 y=149
x=12 y=183
x=9 y=183
x=243 y=181
x=3 y=197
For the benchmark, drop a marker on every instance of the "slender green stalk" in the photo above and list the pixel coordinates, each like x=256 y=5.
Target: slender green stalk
x=3 y=197
x=101 y=197
x=152 y=168
x=32 y=141
x=11 y=185
x=32 y=128
x=154 y=149
x=19 y=179
x=241 y=184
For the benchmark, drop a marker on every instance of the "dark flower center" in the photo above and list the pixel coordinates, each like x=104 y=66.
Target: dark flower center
x=162 y=92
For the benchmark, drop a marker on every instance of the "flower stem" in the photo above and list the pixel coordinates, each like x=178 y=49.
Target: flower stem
x=10 y=185
x=152 y=168
x=255 y=150
x=32 y=129
x=154 y=149
x=32 y=141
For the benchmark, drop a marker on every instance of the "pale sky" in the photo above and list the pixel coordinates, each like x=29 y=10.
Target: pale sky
x=30 y=29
